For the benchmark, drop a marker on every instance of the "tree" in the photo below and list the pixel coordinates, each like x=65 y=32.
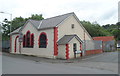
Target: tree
x=35 y=17
x=16 y=23
x=94 y=29
x=114 y=29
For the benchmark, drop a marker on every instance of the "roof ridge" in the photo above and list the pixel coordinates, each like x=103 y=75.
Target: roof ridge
x=35 y=20
x=53 y=16
x=58 y=15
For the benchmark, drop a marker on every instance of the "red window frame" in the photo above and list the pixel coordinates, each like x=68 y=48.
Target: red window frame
x=24 y=41
x=28 y=39
x=39 y=43
x=32 y=40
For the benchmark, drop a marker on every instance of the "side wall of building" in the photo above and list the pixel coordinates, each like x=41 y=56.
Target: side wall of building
x=41 y=52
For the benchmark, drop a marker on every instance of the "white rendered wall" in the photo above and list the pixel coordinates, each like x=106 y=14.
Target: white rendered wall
x=62 y=51
x=41 y=52
x=65 y=29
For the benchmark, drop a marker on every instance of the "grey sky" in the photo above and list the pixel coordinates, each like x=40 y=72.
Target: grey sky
x=102 y=11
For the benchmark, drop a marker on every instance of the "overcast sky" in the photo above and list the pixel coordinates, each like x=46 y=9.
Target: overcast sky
x=102 y=11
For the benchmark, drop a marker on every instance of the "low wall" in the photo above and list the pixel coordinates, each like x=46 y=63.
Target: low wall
x=90 y=52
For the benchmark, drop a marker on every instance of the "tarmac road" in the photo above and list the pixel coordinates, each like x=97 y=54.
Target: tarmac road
x=15 y=65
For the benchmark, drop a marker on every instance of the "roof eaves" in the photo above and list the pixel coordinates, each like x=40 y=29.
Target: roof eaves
x=71 y=39
x=73 y=36
x=45 y=28
x=66 y=42
x=78 y=38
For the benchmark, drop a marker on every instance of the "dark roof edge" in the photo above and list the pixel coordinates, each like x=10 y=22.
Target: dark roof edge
x=74 y=36
x=59 y=15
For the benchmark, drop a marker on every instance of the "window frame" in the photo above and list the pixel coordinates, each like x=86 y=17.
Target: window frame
x=72 y=26
x=28 y=39
x=24 y=40
x=44 y=42
x=32 y=40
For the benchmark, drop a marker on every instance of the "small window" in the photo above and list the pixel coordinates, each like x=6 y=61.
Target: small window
x=72 y=26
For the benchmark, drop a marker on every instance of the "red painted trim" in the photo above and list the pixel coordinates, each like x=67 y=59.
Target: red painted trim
x=39 y=38
x=26 y=37
x=55 y=41
x=15 y=43
x=27 y=32
x=67 y=51
x=31 y=41
x=10 y=43
x=80 y=46
x=81 y=49
x=43 y=33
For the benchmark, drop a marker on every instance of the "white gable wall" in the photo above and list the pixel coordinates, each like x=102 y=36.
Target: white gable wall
x=42 y=52
x=65 y=29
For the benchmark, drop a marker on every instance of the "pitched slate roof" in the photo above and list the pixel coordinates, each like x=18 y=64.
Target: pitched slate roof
x=50 y=22
x=65 y=39
x=46 y=23
x=104 y=38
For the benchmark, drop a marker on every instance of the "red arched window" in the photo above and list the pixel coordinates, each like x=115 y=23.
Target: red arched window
x=28 y=39
x=43 y=40
x=24 y=41
x=32 y=40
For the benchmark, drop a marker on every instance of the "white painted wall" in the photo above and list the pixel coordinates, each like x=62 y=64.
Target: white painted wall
x=13 y=44
x=65 y=29
x=42 y=52
x=62 y=51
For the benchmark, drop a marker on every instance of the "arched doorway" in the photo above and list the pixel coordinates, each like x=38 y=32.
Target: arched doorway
x=16 y=49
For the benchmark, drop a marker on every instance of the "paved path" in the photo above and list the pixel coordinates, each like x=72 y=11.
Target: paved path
x=98 y=64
